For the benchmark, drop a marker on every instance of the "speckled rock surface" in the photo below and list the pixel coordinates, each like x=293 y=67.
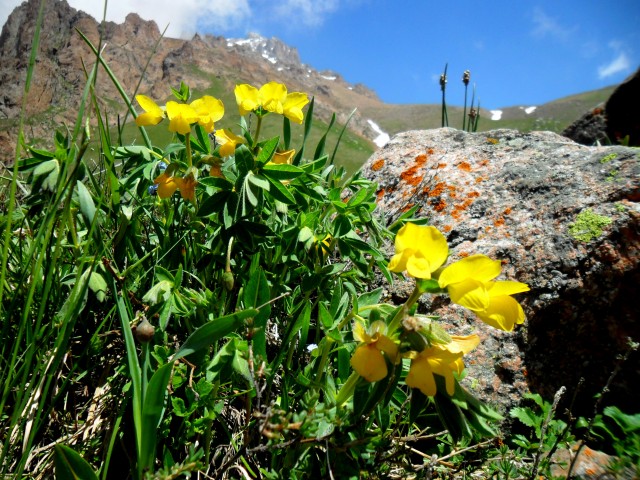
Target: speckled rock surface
x=514 y=197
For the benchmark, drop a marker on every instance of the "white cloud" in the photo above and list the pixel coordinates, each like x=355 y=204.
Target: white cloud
x=184 y=18
x=311 y=13
x=546 y=26
x=619 y=64
x=215 y=16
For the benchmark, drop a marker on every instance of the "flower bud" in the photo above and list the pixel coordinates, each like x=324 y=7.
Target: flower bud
x=227 y=281
x=466 y=76
x=144 y=330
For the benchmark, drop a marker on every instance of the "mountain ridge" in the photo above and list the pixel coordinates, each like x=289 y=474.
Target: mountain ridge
x=207 y=63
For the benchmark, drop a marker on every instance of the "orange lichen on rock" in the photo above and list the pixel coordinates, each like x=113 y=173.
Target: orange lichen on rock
x=499 y=221
x=380 y=194
x=430 y=151
x=437 y=189
x=484 y=163
x=377 y=165
x=440 y=206
x=442 y=165
x=464 y=166
x=410 y=175
x=492 y=141
x=447 y=228
x=480 y=179
x=407 y=206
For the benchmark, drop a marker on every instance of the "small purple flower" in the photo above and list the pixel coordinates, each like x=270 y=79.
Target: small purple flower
x=153 y=190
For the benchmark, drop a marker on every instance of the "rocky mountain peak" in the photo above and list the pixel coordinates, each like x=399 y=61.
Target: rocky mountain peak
x=271 y=49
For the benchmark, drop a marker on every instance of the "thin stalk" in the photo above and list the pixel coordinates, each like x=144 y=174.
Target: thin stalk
x=443 y=88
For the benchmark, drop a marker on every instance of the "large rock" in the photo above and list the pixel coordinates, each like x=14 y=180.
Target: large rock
x=515 y=197
x=614 y=122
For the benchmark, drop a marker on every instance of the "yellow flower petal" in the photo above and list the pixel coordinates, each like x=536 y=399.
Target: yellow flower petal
x=418 y=267
x=507 y=288
x=423 y=250
x=153 y=113
x=272 y=95
x=369 y=363
x=360 y=333
x=461 y=344
x=398 y=262
x=188 y=188
x=181 y=116
x=167 y=185
x=283 y=158
x=228 y=142
x=478 y=267
x=246 y=98
x=503 y=313
x=420 y=376
x=293 y=105
x=209 y=110
x=386 y=345
x=470 y=293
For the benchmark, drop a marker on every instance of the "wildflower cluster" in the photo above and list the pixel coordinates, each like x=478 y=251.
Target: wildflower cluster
x=204 y=112
x=421 y=252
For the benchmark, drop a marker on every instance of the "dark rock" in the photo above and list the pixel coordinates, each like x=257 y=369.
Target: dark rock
x=590 y=129
x=623 y=112
x=514 y=197
x=614 y=122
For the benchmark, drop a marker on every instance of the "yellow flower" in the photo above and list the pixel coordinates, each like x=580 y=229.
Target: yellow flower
x=228 y=142
x=469 y=283
x=153 y=113
x=167 y=186
x=209 y=110
x=368 y=360
x=282 y=158
x=420 y=250
x=181 y=116
x=272 y=97
x=188 y=187
x=441 y=360
x=293 y=106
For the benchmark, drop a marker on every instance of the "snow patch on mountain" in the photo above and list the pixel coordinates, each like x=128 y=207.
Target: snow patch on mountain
x=383 y=137
x=496 y=114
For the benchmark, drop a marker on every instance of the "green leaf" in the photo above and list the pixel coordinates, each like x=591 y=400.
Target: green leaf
x=87 y=207
x=316 y=165
x=152 y=413
x=215 y=203
x=98 y=286
x=258 y=180
x=244 y=159
x=280 y=192
x=213 y=331
x=525 y=415
x=268 y=150
x=160 y=292
x=282 y=172
x=450 y=414
x=341 y=226
x=70 y=465
x=47 y=173
x=256 y=293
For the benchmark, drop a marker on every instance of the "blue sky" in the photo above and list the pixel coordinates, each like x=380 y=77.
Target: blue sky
x=519 y=53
